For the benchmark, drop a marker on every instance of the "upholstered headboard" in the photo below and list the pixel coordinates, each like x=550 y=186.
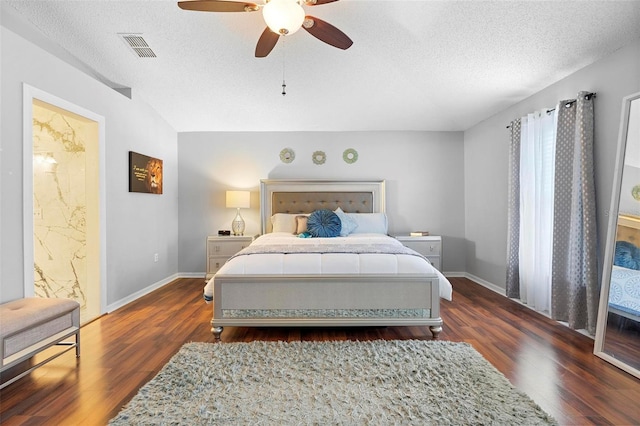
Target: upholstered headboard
x=305 y=196
x=628 y=229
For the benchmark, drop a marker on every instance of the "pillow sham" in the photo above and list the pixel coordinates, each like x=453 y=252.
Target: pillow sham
x=324 y=223
x=369 y=223
x=348 y=224
x=284 y=222
x=301 y=223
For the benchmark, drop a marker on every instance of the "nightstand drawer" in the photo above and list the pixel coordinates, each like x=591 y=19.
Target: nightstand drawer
x=221 y=248
x=426 y=248
x=225 y=248
x=430 y=246
x=435 y=261
x=215 y=263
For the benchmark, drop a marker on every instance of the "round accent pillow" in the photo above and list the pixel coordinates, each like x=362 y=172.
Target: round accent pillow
x=627 y=255
x=324 y=223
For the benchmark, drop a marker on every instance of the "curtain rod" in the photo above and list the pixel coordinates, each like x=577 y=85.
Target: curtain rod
x=568 y=104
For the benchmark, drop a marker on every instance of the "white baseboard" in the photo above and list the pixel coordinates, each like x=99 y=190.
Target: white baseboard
x=486 y=284
x=191 y=275
x=138 y=294
x=454 y=274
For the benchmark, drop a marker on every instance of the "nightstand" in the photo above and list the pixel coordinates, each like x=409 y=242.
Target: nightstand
x=428 y=246
x=220 y=248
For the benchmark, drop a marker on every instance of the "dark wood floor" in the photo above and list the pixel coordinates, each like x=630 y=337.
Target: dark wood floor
x=125 y=349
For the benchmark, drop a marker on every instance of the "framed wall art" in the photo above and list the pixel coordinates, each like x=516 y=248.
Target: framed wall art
x=145 y=174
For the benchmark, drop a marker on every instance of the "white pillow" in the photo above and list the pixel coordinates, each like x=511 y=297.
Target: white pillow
x=348 y=224
x=285 y=222
x=368 y=223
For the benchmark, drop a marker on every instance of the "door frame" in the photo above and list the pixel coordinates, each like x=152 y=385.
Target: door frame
x=29 y=93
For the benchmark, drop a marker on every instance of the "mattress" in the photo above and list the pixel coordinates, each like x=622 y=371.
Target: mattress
x=339 y=255
x=624 y=290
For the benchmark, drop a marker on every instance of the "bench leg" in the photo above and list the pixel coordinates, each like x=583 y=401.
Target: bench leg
x=24 y=373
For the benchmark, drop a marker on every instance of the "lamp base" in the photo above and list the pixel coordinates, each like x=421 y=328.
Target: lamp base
x=238 y=224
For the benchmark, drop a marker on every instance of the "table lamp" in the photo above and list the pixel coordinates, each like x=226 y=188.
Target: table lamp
x=238 y=200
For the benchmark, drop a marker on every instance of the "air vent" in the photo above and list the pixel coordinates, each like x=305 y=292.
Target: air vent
x=138 y=45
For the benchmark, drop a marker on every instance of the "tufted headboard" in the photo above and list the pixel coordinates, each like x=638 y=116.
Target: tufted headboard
x=305 y=196
x=628 y=229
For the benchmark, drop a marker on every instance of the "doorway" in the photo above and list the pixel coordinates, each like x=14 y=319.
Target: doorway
x=64 y=246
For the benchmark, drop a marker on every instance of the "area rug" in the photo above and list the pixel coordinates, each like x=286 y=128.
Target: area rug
x=337 y=382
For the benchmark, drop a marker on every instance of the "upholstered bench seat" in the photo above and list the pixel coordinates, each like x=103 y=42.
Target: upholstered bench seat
x=32 y=324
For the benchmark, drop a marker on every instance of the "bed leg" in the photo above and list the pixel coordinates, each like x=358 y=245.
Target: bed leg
x=217 y=331
x=435 y=330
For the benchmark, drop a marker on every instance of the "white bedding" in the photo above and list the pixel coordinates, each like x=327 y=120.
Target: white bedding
x=328 y=263
x=624 y=291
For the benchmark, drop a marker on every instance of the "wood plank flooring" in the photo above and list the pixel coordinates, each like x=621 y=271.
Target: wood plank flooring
x=123 y=350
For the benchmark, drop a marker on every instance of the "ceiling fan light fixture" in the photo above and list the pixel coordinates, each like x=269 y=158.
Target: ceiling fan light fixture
x=283 y=17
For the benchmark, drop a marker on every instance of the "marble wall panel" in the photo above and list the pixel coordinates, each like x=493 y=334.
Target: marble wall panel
x=60 y=203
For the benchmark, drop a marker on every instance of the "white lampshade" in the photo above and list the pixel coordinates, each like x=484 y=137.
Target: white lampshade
x=238 y=199
x=283 y=17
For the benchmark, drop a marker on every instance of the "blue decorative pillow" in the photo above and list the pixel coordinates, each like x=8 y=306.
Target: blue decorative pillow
x=348 y=224
x=627 y=255
x=324 y=223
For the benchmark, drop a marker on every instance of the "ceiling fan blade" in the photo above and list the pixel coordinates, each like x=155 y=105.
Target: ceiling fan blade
x=317 y=2
x=218 y=6
x=266 y=43
x=326 y=32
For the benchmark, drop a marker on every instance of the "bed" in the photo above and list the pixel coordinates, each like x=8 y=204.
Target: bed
x=624 y=289
x=362 y=277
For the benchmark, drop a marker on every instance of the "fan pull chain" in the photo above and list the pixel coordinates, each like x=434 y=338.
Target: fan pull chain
x=284 y=85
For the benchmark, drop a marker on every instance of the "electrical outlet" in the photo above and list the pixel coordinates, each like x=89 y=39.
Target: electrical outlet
x=37 y=213
x=155 y=257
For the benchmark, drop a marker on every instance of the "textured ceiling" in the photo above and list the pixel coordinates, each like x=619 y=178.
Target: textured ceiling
x=414 y=65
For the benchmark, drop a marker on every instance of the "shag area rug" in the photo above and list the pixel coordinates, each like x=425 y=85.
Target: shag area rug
x=342 y=382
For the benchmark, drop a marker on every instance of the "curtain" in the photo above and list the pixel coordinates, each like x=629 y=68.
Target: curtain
x=551 y=237
x=537 y=146
x=575 y=289
x=513 y=213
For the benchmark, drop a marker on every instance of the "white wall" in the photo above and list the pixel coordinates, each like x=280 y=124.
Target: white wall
x=423 y=171
x=137 y=225
x=486 y=148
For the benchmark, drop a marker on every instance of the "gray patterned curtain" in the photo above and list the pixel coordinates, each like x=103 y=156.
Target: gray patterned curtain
x=574 y=280
x=574 y=273
x=513 y=213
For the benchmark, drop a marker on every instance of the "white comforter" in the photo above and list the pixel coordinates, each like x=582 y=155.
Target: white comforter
x=328 y=263
x=624 y=291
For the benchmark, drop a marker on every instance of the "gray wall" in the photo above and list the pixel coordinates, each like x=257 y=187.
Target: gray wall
x=423 y=171
x=137 y=225
x=486 y=148
x=465 y=173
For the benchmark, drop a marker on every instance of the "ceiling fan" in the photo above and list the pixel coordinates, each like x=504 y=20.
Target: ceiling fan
x=283 y=17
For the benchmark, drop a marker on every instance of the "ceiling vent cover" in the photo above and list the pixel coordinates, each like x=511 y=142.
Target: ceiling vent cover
x=138 y=45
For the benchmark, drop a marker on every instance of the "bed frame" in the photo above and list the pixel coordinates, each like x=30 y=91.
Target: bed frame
x=324 y=300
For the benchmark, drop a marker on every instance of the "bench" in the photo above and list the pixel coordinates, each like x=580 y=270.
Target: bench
x=33 y=324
